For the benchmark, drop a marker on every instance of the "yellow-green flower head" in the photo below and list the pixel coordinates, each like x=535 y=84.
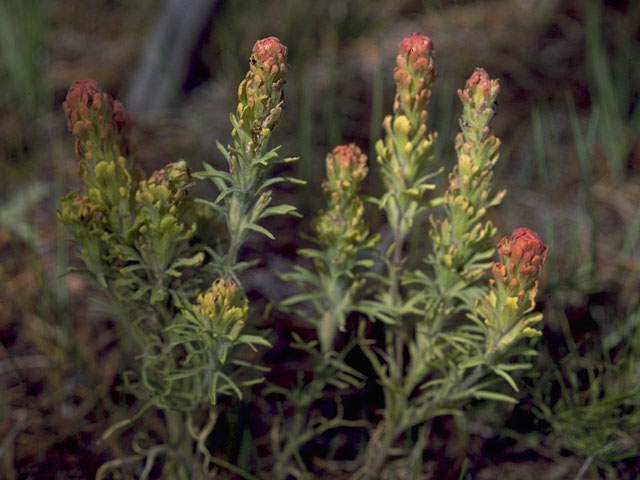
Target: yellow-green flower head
x=77 y=208
x=169 y=184
x=223 y=308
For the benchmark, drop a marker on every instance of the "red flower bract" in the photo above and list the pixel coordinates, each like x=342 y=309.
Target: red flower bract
x=523 y=253
x=346 y=167
x=415 y=54
x=414 y=72
x=413 y=48
x=480 y=77
x=92 y=112
x=479 y=81
x=79 y=100
x=350 y=157
x=270 y=56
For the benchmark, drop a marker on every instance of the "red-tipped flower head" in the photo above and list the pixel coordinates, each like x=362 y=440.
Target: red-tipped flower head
x=480 y=90
x=270 y=58
x=91 y=112
x=79 y=100
x=522 y=255
x=414 y=74
x=350 y=160
x=346 y=167
x=415 y=58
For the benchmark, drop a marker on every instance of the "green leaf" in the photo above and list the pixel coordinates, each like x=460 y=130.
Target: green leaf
x=252 y=381
x=314 y=254
x=302 y=297
x=193 y=261
x=339 y=365
x=252 y=340
x=211 y=205
x=140 y=293
x=253 y=366
x=222 y=149
x=240 y=266
x=364 y=263
x=184 y=373
x=158 y=294
x=506 y=376
x=508 y=367
x=277 y=210
x=212 y=173
x=222 y=350
x=261 y=229
x=377 y=310
x=498 y=397
x=128 y=421
x=231 y=384
x=225 y=193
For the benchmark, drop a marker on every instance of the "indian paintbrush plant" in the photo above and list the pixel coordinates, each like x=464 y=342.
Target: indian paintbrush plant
x=342 y=257
x=450 y=336
x=178 y=297
x=451 y=333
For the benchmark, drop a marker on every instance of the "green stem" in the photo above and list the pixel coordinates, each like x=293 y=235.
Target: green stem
x=380 y=452
x=237 y=211
x=180 y=443
x=393 y=427
x=394 y=287
x=233 y=468
x=292 y=444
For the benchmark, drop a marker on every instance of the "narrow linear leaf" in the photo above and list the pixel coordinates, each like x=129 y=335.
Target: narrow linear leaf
x=499 y=397
x=261 y=229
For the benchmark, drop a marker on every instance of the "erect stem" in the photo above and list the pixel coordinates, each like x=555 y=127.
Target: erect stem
x=237 y=211
x=378 y=450
x=291 y=445
x=394 y=277
x=180 y=444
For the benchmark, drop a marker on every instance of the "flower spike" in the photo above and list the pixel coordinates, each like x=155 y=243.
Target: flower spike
x=96 y=119
x=508 y=307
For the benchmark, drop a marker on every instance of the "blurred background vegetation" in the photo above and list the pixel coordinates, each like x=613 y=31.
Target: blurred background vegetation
x=569 y=119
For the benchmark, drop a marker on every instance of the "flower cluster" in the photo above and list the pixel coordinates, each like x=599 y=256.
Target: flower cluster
x=101 y=127
x=133 y=236
x=342 y=228
x=414 y=73
x=476 y=145
x=346 y=168
x=244 y=198
x=507 y=308
x=345 y=243
x=222 y=311
x=344 y=235
x=405 y=154
x=170 y=183
x=522 y=257
x=163 y=232
x=462 y=240
x=260 y=94
x=98 y=122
